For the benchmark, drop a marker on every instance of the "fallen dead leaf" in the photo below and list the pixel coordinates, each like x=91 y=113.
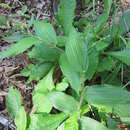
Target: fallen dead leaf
x=128 y=1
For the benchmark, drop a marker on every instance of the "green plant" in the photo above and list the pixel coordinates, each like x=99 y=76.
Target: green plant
x=95 y=52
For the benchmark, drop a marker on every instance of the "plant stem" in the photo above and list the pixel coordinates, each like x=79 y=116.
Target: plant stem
x=81 y=99
x=126 y=84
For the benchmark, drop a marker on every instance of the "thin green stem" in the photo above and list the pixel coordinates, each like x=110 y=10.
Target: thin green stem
x=126 y=84
x=81 y=99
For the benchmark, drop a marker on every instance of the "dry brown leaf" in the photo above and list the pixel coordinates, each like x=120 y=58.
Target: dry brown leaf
x=128 y=1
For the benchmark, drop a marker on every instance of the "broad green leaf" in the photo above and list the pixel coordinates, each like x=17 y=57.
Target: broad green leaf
x=45 y=32
x=19 y=47
x=46 y=84
x=70 y=73
x=92 y=63
x=40 y=92
x=89 y=35
x=111 y=78
x=62 y=86
x=102 y=109
x=128 y=43
x=13 y=101
x=41 y=103
x=63 y=102
x=66 y=14
x=84 y=109
x=81 y=23
x=123 y=55
x=106 y=64
x=102 y=19
x=45 y=52
x=45 y=121
x=71 y=123
x=115 y=81
x=123 y=112
x=21 y=119
x=27 y=70
x=101 y=44
x=107 y=95
x=126 y=120
x=76 y=51
x=91 y=124
x=61 y=41
x=124 y=22
x=107 y=6
x=113 y=30
x=14 y=37
x=36 y=72
x=3 y=20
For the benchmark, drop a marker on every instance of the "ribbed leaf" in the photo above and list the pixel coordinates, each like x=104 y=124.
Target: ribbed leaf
x=128 y=43
x=44 y=52
x=41 y=103
x=123 y=55
x=107 y=95
x=66 y=14
x=45 y=32
x=122 y=110
x=91 y=124
x=36 y=72
x=71 y=123
x=106 y=64
x=46 y=84
x=19 y=47
x=63 y=102
x=102 y=19
x=15 y=37
x=124 y=22
x=62 y=86
x=21 y=119
x=92 y=63
x=76 y=51
x=89 y=35
x=43 y=87
x=107 y=6
x=61 y=40
x=13 y=101
x=45 y=121
x=102 y=44
x=70 y=73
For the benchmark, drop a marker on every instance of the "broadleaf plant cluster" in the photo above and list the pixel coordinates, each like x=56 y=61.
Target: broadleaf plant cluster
x=90 y=59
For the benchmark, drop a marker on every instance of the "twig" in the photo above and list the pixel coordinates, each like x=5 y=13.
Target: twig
x=3 y=93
